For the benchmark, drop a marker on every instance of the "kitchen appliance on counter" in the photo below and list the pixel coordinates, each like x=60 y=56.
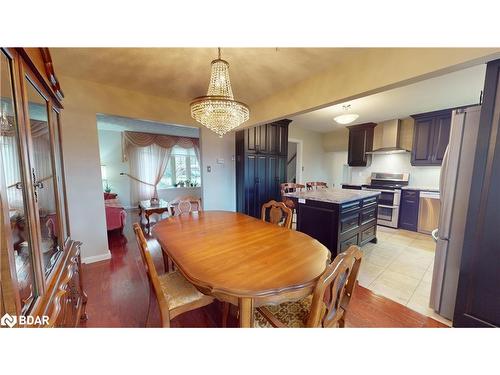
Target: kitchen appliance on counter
x=389 y=185
x=428 y=211
x=455 y=183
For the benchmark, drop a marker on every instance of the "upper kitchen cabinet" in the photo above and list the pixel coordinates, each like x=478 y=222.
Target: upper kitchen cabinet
x=430 y=137
x=360 y=142
x=268 y=139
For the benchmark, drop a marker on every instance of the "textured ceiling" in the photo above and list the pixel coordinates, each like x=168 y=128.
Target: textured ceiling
x=183 y=73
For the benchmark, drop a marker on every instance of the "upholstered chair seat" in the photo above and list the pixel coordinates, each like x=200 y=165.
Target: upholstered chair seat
x=328 y=304
x=291 y=314
x=180 y=292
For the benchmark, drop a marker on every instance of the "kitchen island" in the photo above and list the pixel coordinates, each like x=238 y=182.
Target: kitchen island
x=337 y=218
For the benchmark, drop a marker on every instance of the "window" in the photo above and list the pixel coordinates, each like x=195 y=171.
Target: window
x=183 y=169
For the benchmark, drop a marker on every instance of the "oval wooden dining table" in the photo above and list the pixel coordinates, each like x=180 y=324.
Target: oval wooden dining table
x=242 y=260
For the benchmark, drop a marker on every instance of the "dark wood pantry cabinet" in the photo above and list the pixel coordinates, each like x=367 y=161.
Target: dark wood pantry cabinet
x=261 y=164
x=360 y=142
x=430 y=137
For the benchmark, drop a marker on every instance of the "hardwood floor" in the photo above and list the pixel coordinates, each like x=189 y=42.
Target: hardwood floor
x=117 y=292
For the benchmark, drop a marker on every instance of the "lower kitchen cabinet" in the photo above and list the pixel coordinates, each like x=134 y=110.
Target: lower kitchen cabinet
x=408 y=215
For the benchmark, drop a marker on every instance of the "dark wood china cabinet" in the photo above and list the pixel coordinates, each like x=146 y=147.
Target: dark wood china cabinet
x=39 y=262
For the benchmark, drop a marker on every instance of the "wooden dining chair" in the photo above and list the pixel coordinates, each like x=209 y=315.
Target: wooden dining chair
x=278 y=213
x=327 y=306
x=316 y=185
x=185 y=205
x=174 y=294
x=290 y=187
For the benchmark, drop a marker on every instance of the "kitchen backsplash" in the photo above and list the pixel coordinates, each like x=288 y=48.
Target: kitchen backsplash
x=339 y=172
x=397 y=163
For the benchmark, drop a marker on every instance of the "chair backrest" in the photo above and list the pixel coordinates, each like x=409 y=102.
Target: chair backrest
x=277 y=212
x=153 y=279
x=329 y=303
x=290 y=187
x=185 y=204
x=315 y=185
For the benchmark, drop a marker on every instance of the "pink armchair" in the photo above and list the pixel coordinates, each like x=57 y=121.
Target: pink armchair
x=116 y=216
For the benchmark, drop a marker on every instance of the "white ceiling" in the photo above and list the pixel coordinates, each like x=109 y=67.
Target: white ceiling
x=446 y=91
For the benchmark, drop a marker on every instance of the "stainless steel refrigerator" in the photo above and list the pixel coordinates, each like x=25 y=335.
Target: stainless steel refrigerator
x=455 y=183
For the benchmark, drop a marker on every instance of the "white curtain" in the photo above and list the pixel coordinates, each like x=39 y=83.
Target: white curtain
x=43 y=167
x=12 y=172
x=147 y=166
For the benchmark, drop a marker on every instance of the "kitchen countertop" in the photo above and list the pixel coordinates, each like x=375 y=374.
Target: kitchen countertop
x=421 y=188
x=334 y=195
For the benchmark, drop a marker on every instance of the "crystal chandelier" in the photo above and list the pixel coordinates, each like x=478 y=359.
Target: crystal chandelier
x=218 y=110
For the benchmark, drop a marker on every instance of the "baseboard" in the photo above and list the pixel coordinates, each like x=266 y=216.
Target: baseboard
x=97 y=258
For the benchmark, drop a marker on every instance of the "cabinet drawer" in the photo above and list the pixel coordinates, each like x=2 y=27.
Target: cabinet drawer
x=368 y=234
x=350 y=206
x=349 y=222
x=368 y=215
x=344 y=245
x=370 y=201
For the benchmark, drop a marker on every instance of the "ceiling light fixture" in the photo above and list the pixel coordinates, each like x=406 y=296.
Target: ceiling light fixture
x=347 y=118
x=218 y=110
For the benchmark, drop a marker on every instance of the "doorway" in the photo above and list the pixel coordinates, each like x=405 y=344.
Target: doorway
x=294 y=161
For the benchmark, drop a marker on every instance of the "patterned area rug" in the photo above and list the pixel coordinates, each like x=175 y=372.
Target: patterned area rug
x=291 y=314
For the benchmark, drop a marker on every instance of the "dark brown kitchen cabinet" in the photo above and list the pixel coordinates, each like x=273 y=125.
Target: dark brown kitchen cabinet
x=408 y=216
x=430 y=137
x=360 y=142
x=261 y=156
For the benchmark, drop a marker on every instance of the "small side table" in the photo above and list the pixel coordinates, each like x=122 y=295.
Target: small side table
x=146 y=208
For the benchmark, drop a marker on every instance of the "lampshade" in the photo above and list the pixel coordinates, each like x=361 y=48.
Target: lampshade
x=346 y=119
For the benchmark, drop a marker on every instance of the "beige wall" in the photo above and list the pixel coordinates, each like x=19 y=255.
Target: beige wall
x=83 y=100
x=337 y=140
x=312 y=153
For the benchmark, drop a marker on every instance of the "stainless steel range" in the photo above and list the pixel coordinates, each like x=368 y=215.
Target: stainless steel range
x=389 y=185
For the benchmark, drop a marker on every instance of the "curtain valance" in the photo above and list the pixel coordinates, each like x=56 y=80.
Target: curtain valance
x=138 y=139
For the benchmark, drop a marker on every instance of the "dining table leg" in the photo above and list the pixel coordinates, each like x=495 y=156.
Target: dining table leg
x=246 y=312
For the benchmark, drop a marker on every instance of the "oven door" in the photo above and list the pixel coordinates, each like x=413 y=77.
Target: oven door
x=388 y=215
x=386 y=197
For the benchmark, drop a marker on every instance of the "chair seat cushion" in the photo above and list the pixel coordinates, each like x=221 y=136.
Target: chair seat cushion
x=292 y=314
x=178 y=291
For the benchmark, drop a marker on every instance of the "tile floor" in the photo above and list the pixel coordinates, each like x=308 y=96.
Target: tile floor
x=399 y=267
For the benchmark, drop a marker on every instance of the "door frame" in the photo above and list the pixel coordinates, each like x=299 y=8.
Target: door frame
x=298 y=168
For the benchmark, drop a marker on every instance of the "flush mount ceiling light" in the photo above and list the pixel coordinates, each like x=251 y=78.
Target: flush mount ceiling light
x=218 y=110
x=347 y=118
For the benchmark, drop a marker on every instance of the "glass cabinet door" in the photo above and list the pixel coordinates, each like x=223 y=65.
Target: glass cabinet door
x=60 y=175
x=43 y=178
x=14 y=181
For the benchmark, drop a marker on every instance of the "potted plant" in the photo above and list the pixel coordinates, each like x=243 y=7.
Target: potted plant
x=107 y=189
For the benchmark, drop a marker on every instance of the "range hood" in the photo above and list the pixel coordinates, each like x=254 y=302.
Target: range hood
x=387 y=139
